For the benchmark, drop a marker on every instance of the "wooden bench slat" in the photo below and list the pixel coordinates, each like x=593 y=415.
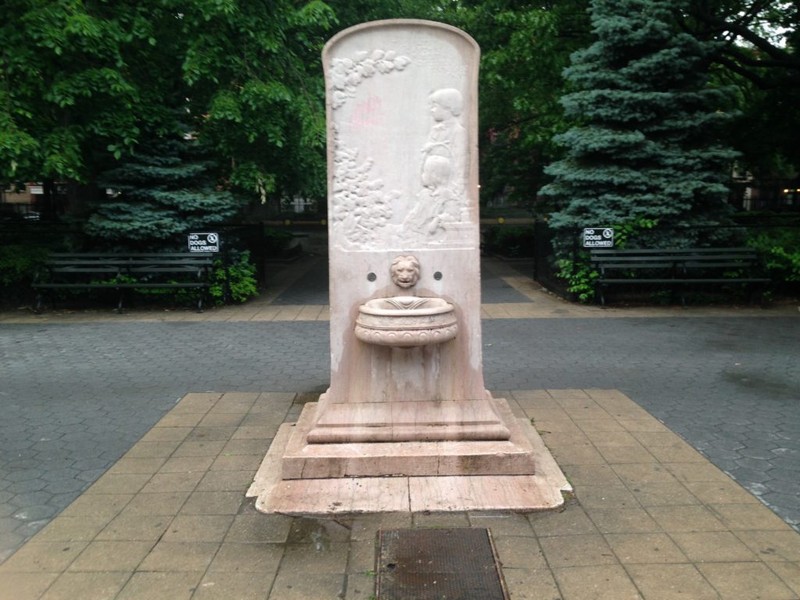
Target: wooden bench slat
x=686 y=267
x=77 y=270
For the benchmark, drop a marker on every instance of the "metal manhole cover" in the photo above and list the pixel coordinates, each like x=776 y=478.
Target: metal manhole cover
x=437 y=564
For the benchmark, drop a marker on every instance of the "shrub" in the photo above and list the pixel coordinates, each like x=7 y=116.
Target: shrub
x=18 y=266
x=780 y=248
x=579 y=275
x=578 y=271
x=509 y=241
x=241 y=277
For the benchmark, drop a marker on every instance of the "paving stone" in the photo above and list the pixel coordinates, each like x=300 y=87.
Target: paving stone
x=25 y=585
x=112 y=556
x=137 y=528
x=205 y=528
x=247 y=558
x=530 y=584
x=158 y=503
x=671 y=582
x=645 y=548
x=772 y=545
x=630 y=520
x=29 y=485
x=179 y=556
x=360 y=586
x=502 y=524
x=746 y=580
x=48 y=557
x=607 y=582
x=713 y=546
x=577 y=551
x=35 y=513
x=154 y=585
x=519 y=552
x=295 y=585
x=258 y=528
x=86 y=585
x=223 y=585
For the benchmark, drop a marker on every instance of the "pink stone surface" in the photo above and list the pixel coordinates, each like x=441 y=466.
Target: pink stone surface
x=493 y=492
x=420 y=458
x=542 y=491
x=414 y=83
x=406 y=423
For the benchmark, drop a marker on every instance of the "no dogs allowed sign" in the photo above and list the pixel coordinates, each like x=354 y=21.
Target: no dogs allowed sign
x=598 y=237
x=203 y=242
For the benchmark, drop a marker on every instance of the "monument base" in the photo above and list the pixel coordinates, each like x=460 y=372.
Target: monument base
x=305 y=460
x=425 y=421
x=428 y=478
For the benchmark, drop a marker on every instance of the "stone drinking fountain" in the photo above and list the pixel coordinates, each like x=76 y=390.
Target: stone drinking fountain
x=406 y=423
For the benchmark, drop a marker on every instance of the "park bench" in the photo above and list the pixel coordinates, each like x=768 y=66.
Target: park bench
x=123 y=272
x=677 y=269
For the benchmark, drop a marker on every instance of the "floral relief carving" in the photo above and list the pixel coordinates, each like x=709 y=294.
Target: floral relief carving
x=346 y=74
x=361 y=207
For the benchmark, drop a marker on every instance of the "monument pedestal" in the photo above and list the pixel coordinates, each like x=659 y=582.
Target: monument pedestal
x=324 y=479
x=409 y=421
x=305 y=460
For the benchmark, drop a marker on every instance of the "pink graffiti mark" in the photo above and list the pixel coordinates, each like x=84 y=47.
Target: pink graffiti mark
x=367 y=113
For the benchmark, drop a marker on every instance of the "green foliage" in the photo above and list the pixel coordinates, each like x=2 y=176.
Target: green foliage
x=579 y=275
x=71 y=83
x=629 y=234
x=276 y=241
x=524 y=48
x=353 y=12
x=767 y=130
x=780 y=248
x=165 y=188
x=84 y=84
x=240 y=279
x=252 y=71
x=19 y=264
x=645 y=123
x=760 y=58
x=509 y=241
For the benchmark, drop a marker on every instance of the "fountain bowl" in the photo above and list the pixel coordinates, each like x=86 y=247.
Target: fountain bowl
x=406 y=321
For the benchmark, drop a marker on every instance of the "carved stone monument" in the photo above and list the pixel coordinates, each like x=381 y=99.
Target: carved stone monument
x=406 y=404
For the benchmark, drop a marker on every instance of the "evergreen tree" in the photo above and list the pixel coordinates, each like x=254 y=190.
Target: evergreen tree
x=644 y=149
x=164 y=189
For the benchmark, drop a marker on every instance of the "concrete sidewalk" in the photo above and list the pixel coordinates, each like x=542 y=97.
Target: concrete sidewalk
x=651 y=517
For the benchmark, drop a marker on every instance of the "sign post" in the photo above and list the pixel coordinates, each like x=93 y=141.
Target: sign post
x=598 y=237
x=204 y=242
x=210 y=242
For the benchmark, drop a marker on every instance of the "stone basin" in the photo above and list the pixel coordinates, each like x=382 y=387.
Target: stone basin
x=406 y=321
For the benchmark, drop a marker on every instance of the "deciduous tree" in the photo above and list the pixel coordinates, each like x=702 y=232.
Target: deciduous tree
x=67 y=89
x=254 y=84
x=525 y=47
